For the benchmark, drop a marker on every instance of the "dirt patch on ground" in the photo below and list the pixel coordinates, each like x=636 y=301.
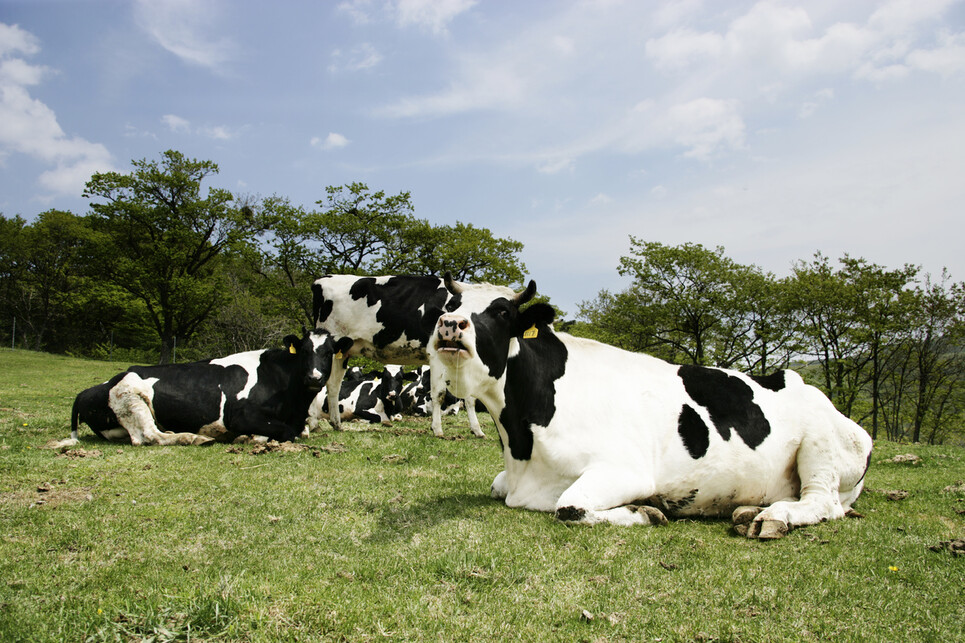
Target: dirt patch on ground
x=954 y=547
x=287 y=447
x=905 y=458
x=46 y=494
x=75 y=454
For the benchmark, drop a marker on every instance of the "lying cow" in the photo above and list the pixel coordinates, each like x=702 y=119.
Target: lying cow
x=390 y=320
x=683 y=441
x=264 y=392
x=373 y=397
x=416 y=400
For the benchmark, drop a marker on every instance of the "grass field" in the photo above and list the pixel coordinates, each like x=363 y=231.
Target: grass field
x=389 y=533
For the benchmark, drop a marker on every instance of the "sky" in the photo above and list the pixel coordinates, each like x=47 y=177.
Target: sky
x=772 y=129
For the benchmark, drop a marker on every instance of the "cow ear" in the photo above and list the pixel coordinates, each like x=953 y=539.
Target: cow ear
x=291 y=341
x=343 y=344
x=536 y=315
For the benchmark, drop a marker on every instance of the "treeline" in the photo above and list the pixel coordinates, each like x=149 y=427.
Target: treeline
x=886 y=345
x=159 y=270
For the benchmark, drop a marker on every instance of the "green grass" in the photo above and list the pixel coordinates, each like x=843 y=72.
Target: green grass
x=391 y=534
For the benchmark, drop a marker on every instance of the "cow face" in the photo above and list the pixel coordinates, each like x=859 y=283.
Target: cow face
x=314 y=352
x=474 y=341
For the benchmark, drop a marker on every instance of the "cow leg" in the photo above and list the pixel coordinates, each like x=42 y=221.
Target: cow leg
x=608 y=494
x=820 y=474
x=131 y=400
x=470 y=403
x=253 y=421
x=334 y=386
x=437 y=393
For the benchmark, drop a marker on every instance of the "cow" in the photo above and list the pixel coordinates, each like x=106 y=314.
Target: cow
x=415 y=398
x=390 y=320
x=264 y=392
x=373 y=397
x=772 y=451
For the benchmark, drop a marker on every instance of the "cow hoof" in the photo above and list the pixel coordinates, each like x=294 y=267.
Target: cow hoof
x=767 y=529
x=201 y=440
x=654 y=515
x=570 y=514
x=745 y=514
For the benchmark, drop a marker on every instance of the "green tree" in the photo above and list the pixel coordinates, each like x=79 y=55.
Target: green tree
x=161 y=239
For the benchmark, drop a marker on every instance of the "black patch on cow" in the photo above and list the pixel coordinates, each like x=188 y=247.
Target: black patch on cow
x=774 y=381
x=321 y=307
x=693 y=432
x=531 y=387
x=671 y=506
x=729 y=401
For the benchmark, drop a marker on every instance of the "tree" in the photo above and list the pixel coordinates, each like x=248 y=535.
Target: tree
x=696 y=302
x=366 y=233
x=161 y=239
x=938 y=329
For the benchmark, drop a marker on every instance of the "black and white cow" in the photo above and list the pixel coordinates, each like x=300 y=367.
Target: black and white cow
x=374 y=397
x=390 y=320
x=264 y=392
x=680 y=440
x=415 y=398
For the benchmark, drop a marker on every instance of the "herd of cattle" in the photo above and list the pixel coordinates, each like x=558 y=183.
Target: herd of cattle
x=587 y=431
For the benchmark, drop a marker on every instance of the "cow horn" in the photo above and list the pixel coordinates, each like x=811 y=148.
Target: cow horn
x=524 y=296
x=451 y=285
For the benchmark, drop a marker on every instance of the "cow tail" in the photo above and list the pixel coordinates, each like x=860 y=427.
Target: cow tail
x=74 y=417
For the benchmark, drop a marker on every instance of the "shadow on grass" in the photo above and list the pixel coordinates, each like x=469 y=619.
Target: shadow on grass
x=401 y=521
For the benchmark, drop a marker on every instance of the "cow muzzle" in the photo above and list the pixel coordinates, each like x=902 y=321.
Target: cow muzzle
x=452 y=335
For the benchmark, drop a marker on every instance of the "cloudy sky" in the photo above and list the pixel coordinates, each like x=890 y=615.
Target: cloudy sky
x=774 y=129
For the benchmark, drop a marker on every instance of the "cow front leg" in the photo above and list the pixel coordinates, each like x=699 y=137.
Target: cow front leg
x=470 y=403
x=334 y=387
x=608 y=494
x=437 y=395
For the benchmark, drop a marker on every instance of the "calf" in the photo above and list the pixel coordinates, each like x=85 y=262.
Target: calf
x=390 y=320
x=264 y=392
x=683 y=441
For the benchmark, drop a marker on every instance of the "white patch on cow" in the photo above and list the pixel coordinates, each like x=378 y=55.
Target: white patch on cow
x=249 y=361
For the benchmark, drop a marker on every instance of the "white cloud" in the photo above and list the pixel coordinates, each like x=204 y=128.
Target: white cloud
x=14 y=40
x=180 y=125
x=176 y=123
x=331 y=142
x=706 y=126
x=183 y=27
x=30 y=127
x=361 y=57
x=434 y=15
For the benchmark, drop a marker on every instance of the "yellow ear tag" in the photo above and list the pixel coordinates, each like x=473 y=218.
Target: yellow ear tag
x=531 y=332
x=339 y=355
x=291 y=349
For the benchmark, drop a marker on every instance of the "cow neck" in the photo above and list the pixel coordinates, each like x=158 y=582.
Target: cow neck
x=530 y=389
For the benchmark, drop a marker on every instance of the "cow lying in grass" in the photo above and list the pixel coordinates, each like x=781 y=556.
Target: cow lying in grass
x=772 y=452
x=264 y=392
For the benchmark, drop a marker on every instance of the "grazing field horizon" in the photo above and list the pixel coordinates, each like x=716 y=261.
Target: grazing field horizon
x=388 y=533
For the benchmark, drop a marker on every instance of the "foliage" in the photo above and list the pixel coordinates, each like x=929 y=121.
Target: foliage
x=390 y=533
x=160 y=240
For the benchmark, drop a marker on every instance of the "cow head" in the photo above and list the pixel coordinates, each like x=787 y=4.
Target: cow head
x=314 y=352
x=474 y=341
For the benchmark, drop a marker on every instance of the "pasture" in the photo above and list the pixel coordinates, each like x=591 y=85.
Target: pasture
x=387 y=533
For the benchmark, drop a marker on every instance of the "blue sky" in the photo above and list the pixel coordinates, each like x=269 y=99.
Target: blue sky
x=774 y=129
